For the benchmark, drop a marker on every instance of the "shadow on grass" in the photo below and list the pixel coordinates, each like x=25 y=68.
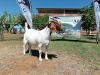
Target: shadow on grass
x=36 y=53
x=75 y=40
x=90 y=37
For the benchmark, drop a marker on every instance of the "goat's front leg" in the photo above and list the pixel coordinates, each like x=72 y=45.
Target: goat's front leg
x=40 y=53
x=24 y=45
x=46 y=51
x=24 y=48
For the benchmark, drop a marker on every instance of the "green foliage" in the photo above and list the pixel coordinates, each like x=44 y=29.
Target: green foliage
x=5 y=17
x=88 y=18
x=21 y=19
x=0 y=21
x=40 y=21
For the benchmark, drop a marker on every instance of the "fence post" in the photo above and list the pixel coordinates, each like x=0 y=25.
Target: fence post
x=98 y=31
x=97 y=39
x=1 y=34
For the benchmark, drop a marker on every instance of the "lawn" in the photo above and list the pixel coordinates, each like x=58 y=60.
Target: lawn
x=86 y=47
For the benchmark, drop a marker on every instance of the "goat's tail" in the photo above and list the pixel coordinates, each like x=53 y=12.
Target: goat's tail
x=26 y=26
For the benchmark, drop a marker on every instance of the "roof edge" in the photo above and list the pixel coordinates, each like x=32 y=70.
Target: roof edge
x=60 y=8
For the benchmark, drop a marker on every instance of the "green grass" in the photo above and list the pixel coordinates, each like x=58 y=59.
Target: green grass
x=86 y=47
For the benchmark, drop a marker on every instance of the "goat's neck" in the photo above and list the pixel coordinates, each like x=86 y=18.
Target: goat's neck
x=47 y=31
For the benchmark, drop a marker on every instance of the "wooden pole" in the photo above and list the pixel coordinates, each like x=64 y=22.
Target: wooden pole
x=1 y=33
x=97 y=37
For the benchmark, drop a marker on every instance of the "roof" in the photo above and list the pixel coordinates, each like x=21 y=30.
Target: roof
x=59 y=9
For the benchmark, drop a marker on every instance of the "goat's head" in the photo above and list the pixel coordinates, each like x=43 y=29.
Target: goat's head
x=55 y=25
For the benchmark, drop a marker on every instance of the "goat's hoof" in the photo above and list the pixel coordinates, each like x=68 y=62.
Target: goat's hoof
x=46 y=58
x=24 y=53
x=40 y=60
x=30 y=53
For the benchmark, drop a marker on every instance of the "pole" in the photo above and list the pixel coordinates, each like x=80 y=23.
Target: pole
x=97 y=37
x=1 y=33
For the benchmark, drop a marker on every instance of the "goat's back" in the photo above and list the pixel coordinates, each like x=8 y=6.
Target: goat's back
x=31 y=36
x=35 y=37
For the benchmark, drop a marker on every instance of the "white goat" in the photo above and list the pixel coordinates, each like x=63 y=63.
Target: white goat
x=40 y=38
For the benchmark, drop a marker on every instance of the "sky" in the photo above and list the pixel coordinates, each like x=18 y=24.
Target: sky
x=12 y=7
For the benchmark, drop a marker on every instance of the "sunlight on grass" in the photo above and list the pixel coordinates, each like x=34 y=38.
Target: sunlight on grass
x=88 y=49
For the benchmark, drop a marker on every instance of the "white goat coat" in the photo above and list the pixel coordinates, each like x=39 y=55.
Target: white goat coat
x=35 y=37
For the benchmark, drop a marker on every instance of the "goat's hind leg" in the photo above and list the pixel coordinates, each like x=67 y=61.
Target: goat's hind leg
x=46 y=51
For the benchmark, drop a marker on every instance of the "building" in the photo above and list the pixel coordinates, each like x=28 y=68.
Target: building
x=60 y=11
x=70 y=18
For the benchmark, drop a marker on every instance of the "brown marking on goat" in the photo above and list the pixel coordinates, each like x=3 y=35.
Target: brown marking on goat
x=55 y=25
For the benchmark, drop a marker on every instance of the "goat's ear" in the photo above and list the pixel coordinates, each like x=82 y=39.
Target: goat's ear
x=52 y=28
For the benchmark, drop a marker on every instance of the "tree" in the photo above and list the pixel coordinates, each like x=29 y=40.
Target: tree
x=88 y=18
x=5 y=20
x=40 y=21
x=5 y=17
x=21 y=19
